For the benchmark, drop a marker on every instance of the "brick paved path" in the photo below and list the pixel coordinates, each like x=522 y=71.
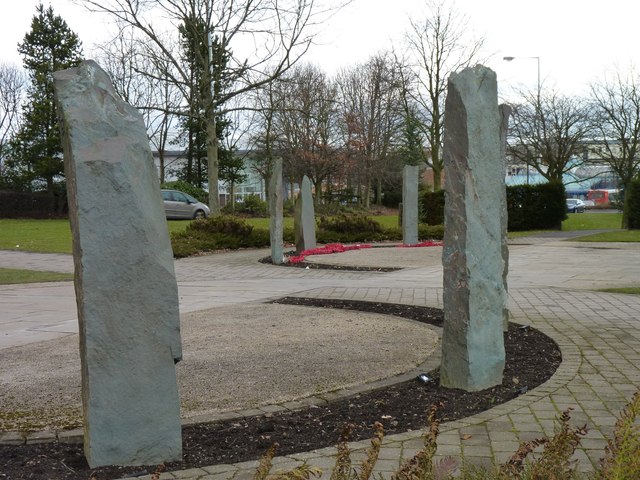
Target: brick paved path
x=550 y=289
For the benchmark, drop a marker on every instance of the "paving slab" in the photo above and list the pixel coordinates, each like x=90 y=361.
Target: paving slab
x=553 y=285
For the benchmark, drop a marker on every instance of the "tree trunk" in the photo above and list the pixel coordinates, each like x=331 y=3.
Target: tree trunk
x=318 y=188
x=212 y=158
x=626 y=205
x=367 y=194
x=292 y=191
x=189 y=175
x=232 y=187
x=161 y=165
x=437 y=168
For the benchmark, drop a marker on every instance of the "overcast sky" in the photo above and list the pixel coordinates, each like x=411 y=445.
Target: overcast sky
x=576 y=40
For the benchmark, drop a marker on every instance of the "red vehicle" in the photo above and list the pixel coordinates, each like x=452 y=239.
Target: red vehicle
x=603 y=197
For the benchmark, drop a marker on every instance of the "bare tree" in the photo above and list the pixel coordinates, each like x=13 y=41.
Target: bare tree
x=263 y=137
x=305 y=124
x=437 y=46
x=548 y=132
x=157 y=99
x=372 y=119
x=617 y=103
x=251 y=43
x=12 y=84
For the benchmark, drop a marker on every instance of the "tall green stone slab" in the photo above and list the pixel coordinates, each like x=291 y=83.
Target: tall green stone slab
x=410 y=181
x=304 y=218
x=474 y=296
x=276 y=213
x=505 y=113
x=126 y=290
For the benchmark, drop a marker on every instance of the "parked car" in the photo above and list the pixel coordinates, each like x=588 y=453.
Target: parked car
x=182 y=205
x=575 y=205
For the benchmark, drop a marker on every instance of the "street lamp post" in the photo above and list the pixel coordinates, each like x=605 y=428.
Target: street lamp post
x=538 y=106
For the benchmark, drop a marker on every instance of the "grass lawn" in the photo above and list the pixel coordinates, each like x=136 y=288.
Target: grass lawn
x=54 y=236
x=11 y=276
x=592 y=221
x=47 y=236
x=627 y=290
x=50 y=236
x=615 y=236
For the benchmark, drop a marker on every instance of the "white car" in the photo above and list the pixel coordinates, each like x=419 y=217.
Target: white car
x=182 y=205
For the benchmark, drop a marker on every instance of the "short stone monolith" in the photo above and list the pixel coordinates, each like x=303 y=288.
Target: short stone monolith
x=276 y=213
x=474 y=296
x=304 y=219
x=126 y=291
x=410 y=182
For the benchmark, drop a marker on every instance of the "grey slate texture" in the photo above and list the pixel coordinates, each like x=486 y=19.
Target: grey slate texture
x=505 y=114
x=474 y=295
x=126 y=291
x=276 y=213
x=305 y=219
x=410 y=182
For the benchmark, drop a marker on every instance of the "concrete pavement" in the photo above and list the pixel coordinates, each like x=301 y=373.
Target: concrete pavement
x=551 y=288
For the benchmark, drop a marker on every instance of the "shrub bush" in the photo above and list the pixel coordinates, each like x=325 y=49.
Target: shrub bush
x=432 y=207
x=217 y=233
x=349 y=223
x=230 y=232
x=200 y=194
x=224 y=224
x=251 y=205
x=348 y=228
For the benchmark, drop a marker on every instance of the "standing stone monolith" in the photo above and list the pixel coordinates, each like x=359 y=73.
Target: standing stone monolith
x=505 y=113
x=126 y=291
x=474 y=296
x=410 y=204
x=276 y=213
x=305 y=220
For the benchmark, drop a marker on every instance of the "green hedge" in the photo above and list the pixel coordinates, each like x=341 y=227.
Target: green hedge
x=536 y=207
x=634 y=205
x=529 y=207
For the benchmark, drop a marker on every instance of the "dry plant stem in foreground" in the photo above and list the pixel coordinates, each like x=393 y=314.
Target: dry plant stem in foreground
x=422 y=466
x=303 y=472
x=553 y=462
x=622 y=453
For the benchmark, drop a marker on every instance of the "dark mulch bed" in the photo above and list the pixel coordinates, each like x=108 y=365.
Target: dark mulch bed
x=324 y=266
x=532 y=358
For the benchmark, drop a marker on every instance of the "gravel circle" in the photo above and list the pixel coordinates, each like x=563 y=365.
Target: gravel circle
x=235 y=357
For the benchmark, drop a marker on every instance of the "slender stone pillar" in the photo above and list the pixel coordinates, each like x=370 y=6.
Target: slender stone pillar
x=474 y=296
x=126 y=289
x=505 y=113
x=410 y=182
x=276 y=213
x=305 y=220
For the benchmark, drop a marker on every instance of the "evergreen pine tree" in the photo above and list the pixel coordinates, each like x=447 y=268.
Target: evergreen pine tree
x=48 y=47
x=194 y=46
